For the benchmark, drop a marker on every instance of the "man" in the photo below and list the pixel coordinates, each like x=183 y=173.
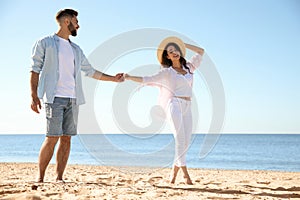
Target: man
x=56 y=77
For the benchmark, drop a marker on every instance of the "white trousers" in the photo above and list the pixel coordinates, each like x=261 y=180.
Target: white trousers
x=180 y=118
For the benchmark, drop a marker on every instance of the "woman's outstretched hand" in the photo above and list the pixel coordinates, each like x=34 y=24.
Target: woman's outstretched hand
x=126 y=76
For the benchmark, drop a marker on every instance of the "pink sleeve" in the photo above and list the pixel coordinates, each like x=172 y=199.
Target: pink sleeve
x=195 y=62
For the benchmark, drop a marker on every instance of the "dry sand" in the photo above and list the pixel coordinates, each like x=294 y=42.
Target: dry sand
x=98 y=182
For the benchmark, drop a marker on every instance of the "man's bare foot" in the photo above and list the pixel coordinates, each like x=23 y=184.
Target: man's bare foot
x=40 y=180
x=60 y=181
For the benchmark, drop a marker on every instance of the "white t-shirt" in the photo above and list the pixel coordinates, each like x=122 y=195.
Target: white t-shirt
x=66 y=81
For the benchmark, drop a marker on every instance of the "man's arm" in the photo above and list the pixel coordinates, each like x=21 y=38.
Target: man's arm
x=105 y=77
x=35 y=103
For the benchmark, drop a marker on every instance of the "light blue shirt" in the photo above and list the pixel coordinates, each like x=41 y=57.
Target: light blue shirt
x=45 y=62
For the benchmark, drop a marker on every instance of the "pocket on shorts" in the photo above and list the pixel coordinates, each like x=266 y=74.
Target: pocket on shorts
x=48 y=109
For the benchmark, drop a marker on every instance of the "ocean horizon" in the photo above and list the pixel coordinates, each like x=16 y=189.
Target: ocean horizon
x=276 y=152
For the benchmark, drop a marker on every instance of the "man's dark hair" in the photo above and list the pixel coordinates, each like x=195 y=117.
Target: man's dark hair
x=66 y=13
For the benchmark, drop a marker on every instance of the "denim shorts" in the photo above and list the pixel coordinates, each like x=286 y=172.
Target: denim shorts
x=62 y=117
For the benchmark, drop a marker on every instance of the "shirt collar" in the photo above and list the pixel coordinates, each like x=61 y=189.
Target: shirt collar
x=56 y=37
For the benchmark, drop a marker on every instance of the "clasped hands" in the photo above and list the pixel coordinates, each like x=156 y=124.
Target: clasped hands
x=121 y=77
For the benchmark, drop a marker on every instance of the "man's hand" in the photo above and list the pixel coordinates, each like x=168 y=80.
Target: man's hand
x=105 y=77
x=36 y=104
x=119 y=77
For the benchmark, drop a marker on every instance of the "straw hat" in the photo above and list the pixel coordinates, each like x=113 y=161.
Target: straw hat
x=168 y=40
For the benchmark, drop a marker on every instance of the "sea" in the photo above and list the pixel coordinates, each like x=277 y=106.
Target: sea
x=275 y=152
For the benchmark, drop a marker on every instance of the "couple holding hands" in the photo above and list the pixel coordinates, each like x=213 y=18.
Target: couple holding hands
x=56 y=69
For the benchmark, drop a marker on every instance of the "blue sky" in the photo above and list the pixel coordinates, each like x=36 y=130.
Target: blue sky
x=255 y=46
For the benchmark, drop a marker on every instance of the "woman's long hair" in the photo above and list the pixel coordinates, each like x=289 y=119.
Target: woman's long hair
x=168 y=62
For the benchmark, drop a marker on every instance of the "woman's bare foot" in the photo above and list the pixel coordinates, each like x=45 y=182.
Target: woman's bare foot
x=172 y=180
x=174 y=174
x=188 y=180
x=186 y=175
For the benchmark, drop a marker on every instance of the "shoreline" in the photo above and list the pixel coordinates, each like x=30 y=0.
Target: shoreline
x=140 y=168
x=17 y=181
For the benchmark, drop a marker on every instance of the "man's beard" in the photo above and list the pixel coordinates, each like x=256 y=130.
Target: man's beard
x=72 y=29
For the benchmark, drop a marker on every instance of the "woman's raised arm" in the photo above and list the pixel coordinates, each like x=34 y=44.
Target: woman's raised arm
x=194 y=48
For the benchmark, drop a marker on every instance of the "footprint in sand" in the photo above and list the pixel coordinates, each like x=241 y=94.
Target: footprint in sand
x=198 y=180
x=137 y=180
x=212 y=183
x=154 y=179
x=294 y=189
x=262 y=182
x=26 y=196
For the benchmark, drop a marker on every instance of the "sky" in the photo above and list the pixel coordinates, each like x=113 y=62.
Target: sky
x=254 y=45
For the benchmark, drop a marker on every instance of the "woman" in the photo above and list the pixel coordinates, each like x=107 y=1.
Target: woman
x=175 y=81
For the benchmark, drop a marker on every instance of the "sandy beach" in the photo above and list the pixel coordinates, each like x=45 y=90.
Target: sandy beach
x=17 y=181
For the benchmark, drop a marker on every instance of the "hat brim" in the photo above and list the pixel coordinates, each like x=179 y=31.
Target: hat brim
x=168 y=40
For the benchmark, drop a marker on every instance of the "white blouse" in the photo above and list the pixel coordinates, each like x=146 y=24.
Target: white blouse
x=183 y=84
x=171 y=83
